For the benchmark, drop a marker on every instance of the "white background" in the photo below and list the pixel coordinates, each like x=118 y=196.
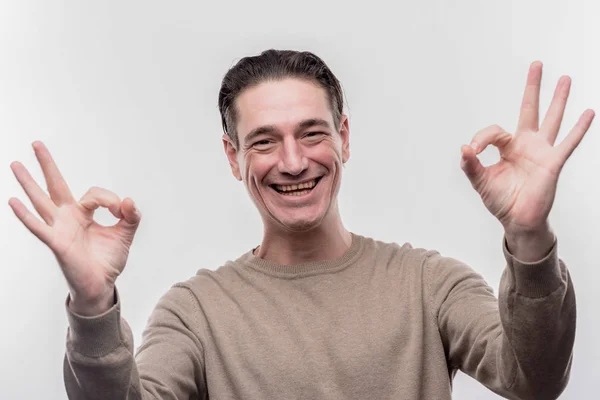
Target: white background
x=124 y=94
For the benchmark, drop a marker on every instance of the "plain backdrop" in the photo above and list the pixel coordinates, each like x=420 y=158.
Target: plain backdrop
x=124 y=94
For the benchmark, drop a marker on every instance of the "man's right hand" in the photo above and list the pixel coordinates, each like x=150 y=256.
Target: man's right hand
x=90 y=255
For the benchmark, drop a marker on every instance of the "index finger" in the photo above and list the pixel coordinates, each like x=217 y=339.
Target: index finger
x=57 y=187
x=529 y=117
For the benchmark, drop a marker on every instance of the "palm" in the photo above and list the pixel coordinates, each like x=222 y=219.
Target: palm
x=91 y=255
x=519 y=190
x=515 y=188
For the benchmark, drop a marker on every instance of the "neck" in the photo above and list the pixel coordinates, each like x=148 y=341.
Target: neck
x=326 y=242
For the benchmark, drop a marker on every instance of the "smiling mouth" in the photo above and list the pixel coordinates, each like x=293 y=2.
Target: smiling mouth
x=296 y=190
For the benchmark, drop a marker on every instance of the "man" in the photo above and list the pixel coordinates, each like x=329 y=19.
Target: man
x=315 y=311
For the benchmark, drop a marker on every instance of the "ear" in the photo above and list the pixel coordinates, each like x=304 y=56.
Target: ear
x=231 y=153
x=345 y=135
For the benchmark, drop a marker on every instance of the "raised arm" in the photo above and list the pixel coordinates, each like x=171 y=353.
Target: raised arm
x=520 y=345
x=169 y=365
x=523 y=350
x=99 y=362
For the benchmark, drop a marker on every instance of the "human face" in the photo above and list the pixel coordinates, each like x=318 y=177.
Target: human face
x=287 y=137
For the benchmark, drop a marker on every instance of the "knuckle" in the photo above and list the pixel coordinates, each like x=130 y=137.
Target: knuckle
x=102 y=194
x=93 y=190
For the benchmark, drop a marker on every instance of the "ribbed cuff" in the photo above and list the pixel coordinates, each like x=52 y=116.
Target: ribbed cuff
x=98 y=335
x=535 y=279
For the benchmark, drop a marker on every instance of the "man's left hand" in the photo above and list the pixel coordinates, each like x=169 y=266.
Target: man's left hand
x=519 y=190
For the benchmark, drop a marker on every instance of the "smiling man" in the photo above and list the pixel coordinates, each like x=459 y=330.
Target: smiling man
x=291 y=161
x=316 y=311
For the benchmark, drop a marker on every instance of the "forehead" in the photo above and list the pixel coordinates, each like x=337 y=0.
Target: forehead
x=281 y=103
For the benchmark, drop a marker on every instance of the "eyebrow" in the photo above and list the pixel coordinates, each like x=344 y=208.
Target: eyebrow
x=307 y=123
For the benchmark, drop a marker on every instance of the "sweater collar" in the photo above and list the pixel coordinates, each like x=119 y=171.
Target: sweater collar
x=311 y=268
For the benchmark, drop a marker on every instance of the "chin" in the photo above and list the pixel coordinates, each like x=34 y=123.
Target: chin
x=299 y=224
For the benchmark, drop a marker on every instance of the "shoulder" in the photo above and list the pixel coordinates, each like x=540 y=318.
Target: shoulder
x=213 y=282
x=398 y=252
x=431 y=263
x=194 y=300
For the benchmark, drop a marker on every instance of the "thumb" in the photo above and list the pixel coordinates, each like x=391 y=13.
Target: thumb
x=471 y=165
x=131 y=214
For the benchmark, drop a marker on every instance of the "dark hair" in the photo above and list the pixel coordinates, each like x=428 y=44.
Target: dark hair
x=276 y=65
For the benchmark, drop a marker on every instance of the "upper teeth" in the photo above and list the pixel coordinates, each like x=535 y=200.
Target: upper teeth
x=306 y=185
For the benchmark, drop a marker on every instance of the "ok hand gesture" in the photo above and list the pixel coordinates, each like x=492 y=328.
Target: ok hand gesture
x=519 y=190
x=90 y=255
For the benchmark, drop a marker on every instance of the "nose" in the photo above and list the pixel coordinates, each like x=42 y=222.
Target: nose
x=292 y=159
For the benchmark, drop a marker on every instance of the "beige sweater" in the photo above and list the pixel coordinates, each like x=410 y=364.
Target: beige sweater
x=382 y=322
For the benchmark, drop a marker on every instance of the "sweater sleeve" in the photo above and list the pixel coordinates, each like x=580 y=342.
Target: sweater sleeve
x=519 y=345
x=99 y=361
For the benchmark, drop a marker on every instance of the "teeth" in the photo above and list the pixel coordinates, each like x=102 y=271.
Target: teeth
x=306 y=185
x=297 y=193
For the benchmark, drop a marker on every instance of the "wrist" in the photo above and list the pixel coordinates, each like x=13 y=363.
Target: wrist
x=530 y=246
x=91 y=307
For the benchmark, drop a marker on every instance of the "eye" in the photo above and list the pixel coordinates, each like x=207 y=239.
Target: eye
x=314 y=134
x=261 y=143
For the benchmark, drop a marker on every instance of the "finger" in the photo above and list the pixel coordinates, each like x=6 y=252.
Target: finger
x=131 y=214
x=567 y=146
x=57 y=187
x=529 y=116
x=493 y=135
x=471 y=166
x=40 y=200
x=35 y=226
x=98 y=197
x=554 y=116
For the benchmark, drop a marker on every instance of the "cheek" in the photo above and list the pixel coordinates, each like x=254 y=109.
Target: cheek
x=328 y=153
x=256 y=167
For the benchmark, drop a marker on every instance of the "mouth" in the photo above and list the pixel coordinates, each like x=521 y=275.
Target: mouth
x=296 y=190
